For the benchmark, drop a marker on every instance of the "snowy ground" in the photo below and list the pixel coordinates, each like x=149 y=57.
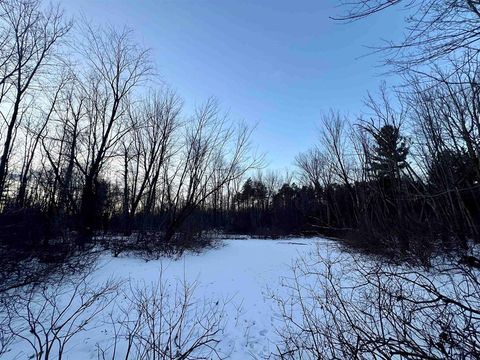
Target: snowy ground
x=242 y=272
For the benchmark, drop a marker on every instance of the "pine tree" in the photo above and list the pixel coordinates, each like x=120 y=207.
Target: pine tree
x=390 y=153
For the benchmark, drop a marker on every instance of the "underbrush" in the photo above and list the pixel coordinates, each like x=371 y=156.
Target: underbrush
x=415 y=249
x=152 y=246
x=161 y=319
x=351 y=306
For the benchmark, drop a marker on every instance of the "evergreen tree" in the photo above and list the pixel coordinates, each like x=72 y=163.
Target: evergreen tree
x=390 y=153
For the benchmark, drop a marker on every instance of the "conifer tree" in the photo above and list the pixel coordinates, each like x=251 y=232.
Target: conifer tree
x=390 y=153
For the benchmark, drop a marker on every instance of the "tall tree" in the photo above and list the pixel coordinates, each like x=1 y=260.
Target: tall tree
x=214 y=152
x=147 y=149
x=29 y=35
x=116 y=67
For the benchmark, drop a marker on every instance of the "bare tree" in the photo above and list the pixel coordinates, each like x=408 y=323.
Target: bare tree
x=213 y=154
x=29 y=36
x=314 y=168
x=335 y=143
x=147 y=148
x=116 y=67
x=61 y=143
x=445 y=118
x=35 y=131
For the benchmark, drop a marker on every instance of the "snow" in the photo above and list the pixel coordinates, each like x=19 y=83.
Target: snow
x=241 y=273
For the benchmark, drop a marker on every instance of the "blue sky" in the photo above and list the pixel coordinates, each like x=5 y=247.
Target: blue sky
x=278 y=64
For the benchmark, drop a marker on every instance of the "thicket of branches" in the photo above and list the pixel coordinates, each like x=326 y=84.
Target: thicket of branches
x=402 y=177
x=403 y=181
x=90 y=144
x=134 y=320
x=339 y=306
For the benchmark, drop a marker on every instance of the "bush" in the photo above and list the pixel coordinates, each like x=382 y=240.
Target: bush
x=341 y=307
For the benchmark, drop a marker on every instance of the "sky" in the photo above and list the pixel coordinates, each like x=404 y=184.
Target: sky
x=278 y=65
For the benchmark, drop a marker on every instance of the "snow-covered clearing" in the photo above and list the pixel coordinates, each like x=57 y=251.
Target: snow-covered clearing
x=241 y=273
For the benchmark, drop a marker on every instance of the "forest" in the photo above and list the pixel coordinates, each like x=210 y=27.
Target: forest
x=97 y=153
x=91 y=146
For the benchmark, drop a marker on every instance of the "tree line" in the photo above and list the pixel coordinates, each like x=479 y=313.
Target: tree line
x=91 y=145
x=400 y=180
